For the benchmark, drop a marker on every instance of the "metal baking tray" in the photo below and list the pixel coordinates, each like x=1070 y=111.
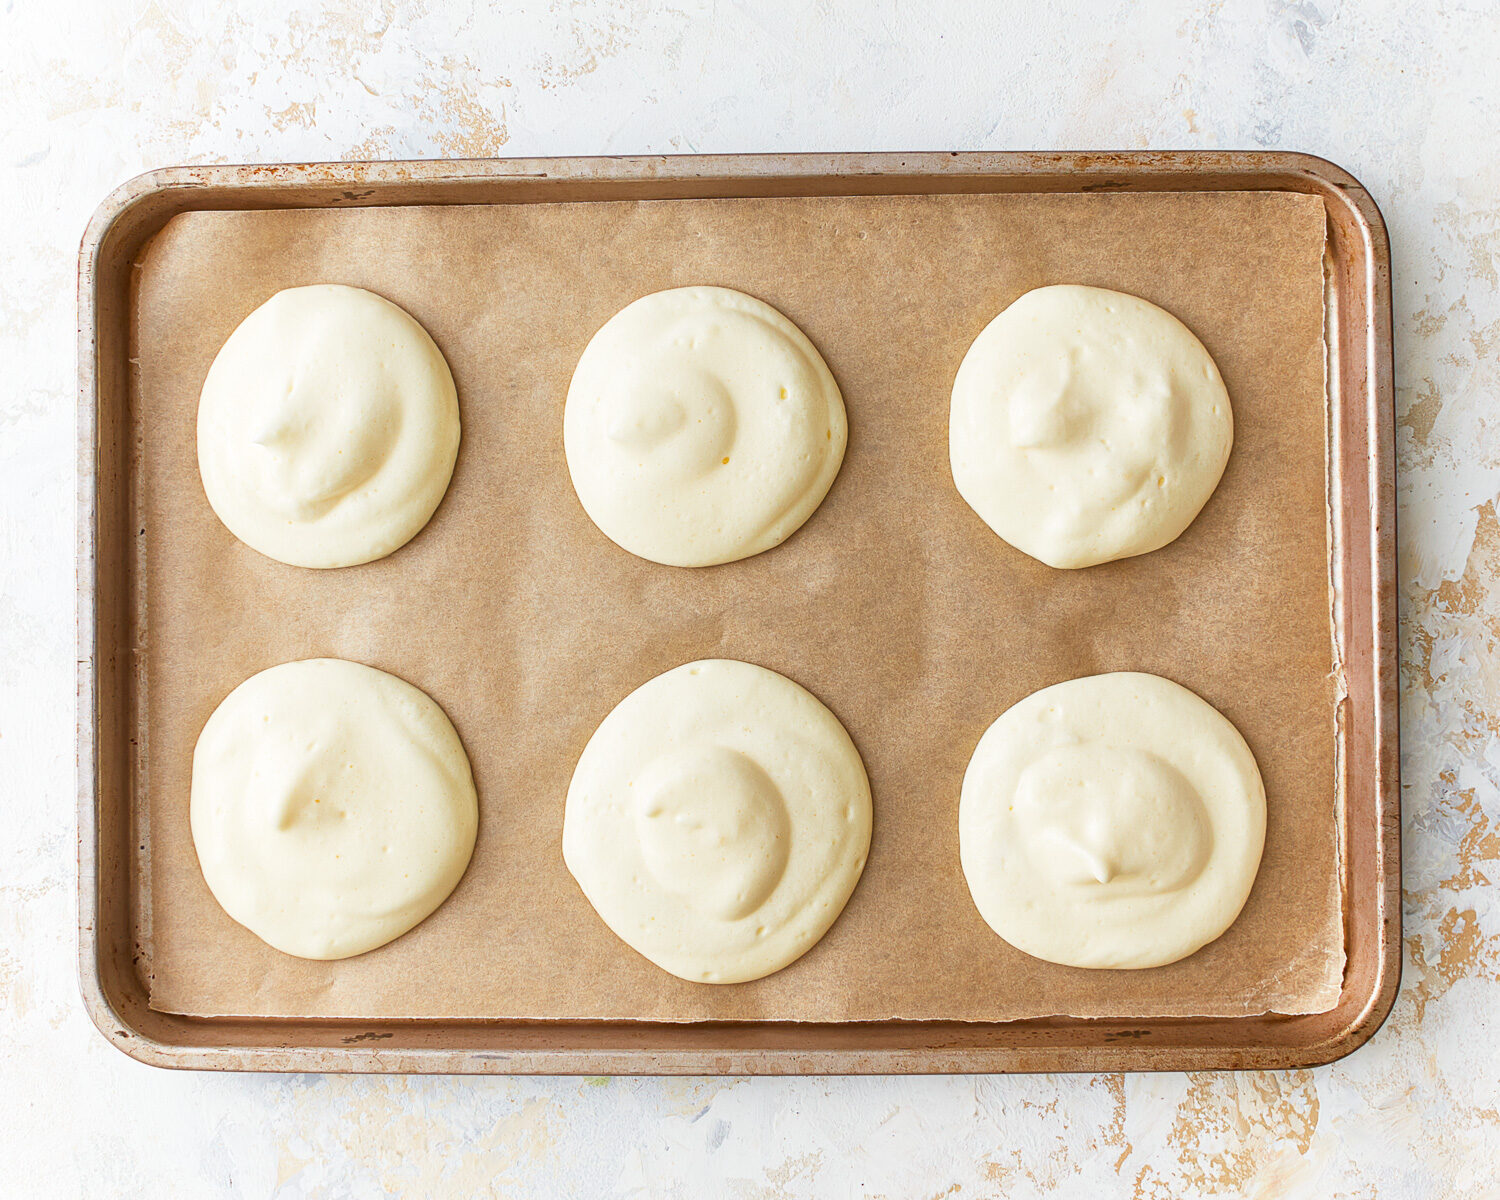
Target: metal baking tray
x=1363 y=572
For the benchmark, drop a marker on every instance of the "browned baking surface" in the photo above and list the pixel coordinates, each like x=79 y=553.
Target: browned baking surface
x=895 y=604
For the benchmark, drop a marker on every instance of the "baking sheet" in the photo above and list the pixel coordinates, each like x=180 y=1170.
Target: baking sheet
x=894 y=604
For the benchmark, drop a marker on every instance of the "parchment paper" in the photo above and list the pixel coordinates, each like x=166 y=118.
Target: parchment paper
x=895 y=604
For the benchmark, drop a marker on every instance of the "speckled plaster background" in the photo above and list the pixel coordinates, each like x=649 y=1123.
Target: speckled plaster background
x=1404 y=94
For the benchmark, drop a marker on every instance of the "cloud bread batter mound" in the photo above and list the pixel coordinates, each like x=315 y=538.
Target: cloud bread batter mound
x=1111 y=821
x=1087 y=425
x=701 y=427
x=327 y=427
x=332 y=807
x=718 y=821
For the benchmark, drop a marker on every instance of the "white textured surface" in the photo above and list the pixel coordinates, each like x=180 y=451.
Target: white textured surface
x=1404 y=94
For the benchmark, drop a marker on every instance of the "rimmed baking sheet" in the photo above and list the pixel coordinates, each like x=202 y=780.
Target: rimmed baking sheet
x=895 y=604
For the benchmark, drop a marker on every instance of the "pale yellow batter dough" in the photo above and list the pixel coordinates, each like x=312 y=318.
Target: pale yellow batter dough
x=718 y=821
x=1087 y=425
x=327 y=428
x=701 y=427
x=1111 y=821
x=332 y=807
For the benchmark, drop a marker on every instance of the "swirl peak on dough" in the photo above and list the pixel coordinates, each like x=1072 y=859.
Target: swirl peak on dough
x=1111 y=821
x=1087 y=425
x=718 y=821
x=327 y=427
x=701 y=427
